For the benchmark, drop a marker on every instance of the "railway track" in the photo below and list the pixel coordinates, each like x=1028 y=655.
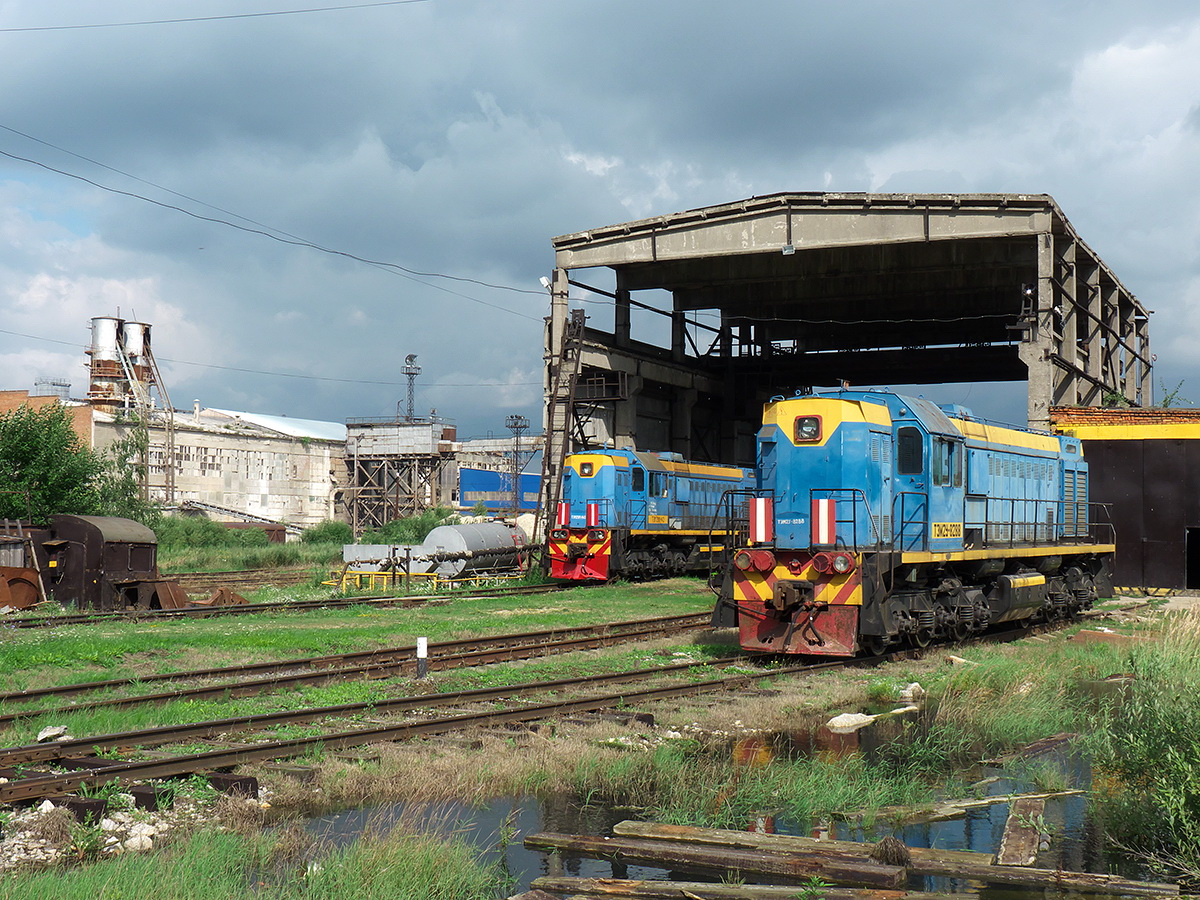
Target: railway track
x=371 y=664
x=206 y=582
x=95 y=771
x=274 y=606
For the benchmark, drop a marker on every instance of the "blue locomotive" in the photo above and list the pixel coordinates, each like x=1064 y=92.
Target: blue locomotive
x=626 y=514
x=880 y=520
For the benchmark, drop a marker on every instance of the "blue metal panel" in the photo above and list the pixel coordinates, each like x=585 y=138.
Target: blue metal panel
x=494 y=489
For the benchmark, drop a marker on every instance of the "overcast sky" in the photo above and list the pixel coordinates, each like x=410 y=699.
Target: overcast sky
x=460 y=136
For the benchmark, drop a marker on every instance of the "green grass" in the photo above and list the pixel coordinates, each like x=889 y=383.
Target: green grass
x=179 y=559
x=685 y=783
x=214 y=865
x=1146 y=746
x=105 y=721
x=73 y=654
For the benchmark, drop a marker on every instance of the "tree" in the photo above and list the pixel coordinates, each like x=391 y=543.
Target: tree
x=41 y=454
x=117 y=485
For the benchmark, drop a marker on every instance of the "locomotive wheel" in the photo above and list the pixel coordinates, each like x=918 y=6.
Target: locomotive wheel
x=875 y=644
x=922 y=638
x=960 y=630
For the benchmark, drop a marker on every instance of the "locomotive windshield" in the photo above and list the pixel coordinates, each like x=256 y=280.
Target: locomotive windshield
x=808 y=429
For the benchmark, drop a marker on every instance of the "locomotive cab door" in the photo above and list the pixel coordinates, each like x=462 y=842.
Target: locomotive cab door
x=910 y=498
x=637 y=496
x=946 y=492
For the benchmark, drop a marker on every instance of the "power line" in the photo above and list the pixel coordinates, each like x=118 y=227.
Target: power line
x=258 y=15
x=394 y=268
x=185 y=362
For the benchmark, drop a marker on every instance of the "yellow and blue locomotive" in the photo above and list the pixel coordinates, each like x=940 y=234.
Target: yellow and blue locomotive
x=880 y=520
x=627 y=514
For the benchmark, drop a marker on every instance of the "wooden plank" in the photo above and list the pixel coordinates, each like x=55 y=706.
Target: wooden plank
x=683 y=856
x=960 y=864
x=947 y=809
x=922 y=857
x=1022 y=833
x=700 y=890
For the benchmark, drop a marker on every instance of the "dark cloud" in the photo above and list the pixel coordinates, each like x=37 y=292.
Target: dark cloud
x=461 y=135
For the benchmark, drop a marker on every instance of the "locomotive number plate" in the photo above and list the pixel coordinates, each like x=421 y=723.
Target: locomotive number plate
x=947 y=530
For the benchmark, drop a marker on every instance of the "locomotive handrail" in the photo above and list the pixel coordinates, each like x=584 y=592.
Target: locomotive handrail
x=855 y=493
x=900 y=523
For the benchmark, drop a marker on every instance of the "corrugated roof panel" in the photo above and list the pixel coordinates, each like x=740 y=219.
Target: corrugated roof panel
x=300 y=428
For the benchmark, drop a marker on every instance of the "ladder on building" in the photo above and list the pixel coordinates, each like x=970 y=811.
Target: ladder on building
x=560 y=419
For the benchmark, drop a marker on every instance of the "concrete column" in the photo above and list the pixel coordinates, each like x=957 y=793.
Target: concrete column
x=681 y=421
x=678 y=335
x=1093 y=393
x=1128 y=359
x=1145 y=389
x=556 y=329
x=1066 y=381
x=1035 y=351
x=625 y=415
x=621 y=319
x=1110 y=301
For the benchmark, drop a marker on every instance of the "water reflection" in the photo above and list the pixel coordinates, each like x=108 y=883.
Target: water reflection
x=498 y=828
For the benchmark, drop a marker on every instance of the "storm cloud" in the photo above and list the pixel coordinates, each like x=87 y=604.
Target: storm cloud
x=459 y=136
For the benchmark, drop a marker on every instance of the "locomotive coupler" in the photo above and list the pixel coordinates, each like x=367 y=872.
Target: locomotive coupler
x=791 y=593
x=577 y=550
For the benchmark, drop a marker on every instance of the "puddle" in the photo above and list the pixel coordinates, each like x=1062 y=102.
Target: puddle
x=497 y=829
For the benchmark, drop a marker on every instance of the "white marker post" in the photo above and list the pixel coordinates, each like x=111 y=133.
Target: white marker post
x=422 y=657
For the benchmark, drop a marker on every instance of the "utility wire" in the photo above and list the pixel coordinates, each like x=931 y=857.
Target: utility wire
x=185 y=362
x=258 y=15
x=394 y=268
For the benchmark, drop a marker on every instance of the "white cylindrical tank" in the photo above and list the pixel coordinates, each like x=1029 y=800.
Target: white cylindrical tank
x=135 y=337
x=482 y=545
x=106 y=338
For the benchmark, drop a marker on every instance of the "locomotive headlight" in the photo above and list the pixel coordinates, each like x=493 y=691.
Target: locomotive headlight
x=559 y=534
x=596 y=535
x=843 y=563
x=754 y=560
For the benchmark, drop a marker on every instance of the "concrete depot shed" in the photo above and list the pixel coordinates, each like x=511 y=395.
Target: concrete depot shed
x=1145 y=464
x=764 y=295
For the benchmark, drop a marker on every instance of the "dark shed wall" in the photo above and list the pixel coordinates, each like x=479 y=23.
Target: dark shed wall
x=1153 y=487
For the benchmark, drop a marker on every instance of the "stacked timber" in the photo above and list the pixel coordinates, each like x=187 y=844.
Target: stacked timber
x=788 y=859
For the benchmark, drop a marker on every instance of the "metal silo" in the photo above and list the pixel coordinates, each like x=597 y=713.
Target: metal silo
x=107 y=387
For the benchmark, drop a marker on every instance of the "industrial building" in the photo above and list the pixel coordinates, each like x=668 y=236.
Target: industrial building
x=400 y=466
x=275 y=470
x=742 y=301
x=1144 y=468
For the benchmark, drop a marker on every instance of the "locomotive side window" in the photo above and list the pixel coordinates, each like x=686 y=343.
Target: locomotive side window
x=947 y=463
x=658 y=484
x=639 y=480
x=910 y=454
x=586 y=470
x=808 y=429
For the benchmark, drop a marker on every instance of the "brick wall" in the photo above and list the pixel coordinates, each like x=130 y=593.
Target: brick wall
x=81 y=416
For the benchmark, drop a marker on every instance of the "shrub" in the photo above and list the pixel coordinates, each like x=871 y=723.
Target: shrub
x=328 y=532
x=1148 y=751
x=412 y=530
x=196 y=531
